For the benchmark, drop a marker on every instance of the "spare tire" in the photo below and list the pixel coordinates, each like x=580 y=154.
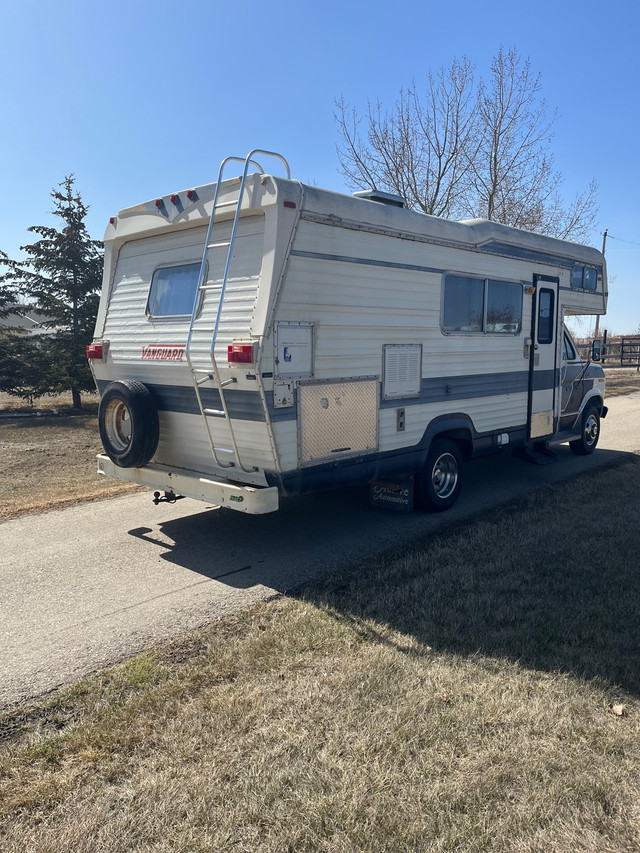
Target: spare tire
x=128 y=423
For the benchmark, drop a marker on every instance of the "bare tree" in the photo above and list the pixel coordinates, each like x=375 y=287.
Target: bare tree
x=461 y=149
x=419 y=149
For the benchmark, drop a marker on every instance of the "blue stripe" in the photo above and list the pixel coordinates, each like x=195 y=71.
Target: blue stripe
x=242 y=405
x=369 y=262
x=442 y=389
x=247 y=406
x=490 y=249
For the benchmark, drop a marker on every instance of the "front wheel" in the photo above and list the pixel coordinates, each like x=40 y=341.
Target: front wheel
x=440 y=481
x=590 y=432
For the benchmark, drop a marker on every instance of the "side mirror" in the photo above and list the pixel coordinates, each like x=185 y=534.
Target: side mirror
x=596 y=351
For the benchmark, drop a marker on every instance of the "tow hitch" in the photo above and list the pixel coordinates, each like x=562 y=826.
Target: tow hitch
x=169 y=498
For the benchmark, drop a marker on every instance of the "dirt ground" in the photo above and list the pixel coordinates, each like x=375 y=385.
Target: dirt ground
x=49 y=460
x=622 y=380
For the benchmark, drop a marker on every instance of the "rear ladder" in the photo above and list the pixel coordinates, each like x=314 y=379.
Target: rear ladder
x=201 y=376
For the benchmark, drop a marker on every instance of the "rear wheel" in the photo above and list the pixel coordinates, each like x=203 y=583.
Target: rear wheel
x=590 y=432
x=440 y=481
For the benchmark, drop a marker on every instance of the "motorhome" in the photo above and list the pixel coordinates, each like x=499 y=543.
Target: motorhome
x=258 y=338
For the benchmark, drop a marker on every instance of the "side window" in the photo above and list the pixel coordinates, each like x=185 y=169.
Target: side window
x=504 y=307
x=481 y=305
x=568 y=350
x=576 y=277
x=545 y=316
x=173 y=290
x=463 y=304
x=584 y=278
x=590 y=280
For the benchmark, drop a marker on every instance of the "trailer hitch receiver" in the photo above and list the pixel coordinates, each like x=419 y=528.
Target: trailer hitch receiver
x=169 y=498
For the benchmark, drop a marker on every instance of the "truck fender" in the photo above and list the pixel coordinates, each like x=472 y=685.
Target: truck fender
x=592 y=397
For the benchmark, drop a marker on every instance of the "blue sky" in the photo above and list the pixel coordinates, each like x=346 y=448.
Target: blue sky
x=141 y=98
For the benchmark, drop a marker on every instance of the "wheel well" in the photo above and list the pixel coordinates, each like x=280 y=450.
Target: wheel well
x=596 y=401
x=462 y=438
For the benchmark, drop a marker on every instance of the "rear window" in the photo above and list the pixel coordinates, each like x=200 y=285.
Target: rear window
x=173 y=291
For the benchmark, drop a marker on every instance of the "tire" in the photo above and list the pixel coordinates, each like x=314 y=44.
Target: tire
x=590 y=432
x=128 y=423
x=440 y=481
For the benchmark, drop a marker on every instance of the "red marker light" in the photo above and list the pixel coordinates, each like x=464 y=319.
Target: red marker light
x=94 y=351
x=112 y=220
x=159 y=202
x=240 y=353
x=191 y=194
x=290 y=204
x=174 y=199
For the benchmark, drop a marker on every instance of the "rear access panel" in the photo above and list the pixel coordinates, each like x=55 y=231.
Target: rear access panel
x=337 y=419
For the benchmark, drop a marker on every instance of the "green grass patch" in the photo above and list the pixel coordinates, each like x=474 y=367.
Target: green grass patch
x=477 y=691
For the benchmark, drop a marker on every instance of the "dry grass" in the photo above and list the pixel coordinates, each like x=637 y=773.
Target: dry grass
x=622 y=380
x=50 y=461
x=455 y=696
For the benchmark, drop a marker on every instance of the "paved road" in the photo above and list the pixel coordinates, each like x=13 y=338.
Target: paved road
x=87 y=586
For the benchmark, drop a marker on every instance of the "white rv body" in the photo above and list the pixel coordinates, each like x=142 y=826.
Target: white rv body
x=360 y=335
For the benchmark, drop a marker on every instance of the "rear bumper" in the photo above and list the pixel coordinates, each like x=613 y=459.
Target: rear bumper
x=250 y=499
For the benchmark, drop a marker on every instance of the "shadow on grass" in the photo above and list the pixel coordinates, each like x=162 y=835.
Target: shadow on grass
x=551 y=581
x=552 y=584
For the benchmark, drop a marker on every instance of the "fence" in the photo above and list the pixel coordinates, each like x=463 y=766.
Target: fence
x=623 y=351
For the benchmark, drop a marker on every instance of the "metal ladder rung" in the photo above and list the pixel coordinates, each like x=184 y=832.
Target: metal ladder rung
x=208 y=374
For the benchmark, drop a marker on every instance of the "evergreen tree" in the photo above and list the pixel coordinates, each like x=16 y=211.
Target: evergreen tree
x=60 y=279
x=8 y=295
x=26 y=366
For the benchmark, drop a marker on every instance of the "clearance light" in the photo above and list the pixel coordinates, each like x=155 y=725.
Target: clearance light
x=158 y=202
x=94 y=351
x=290 y=204
x=112 y=220
x=174 y=199
x=192 y=194
x=240 y=353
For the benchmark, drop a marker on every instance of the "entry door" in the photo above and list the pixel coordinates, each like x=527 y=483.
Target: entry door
x=544 y=349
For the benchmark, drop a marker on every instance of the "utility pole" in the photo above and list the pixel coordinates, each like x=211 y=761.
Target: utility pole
x=604 y=244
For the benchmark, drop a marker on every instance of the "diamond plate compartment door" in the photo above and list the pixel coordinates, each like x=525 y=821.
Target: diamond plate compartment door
x=337 y=419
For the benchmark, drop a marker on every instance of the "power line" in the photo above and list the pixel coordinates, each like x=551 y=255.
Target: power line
x=621 y=239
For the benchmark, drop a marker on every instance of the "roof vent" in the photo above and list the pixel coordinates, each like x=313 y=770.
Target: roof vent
x=381 y=198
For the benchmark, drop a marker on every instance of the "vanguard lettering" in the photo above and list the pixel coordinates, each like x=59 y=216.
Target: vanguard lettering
x=163 y=352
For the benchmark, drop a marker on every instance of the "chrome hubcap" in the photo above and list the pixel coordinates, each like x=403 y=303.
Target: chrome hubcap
x=444 y=475
x=591 y=429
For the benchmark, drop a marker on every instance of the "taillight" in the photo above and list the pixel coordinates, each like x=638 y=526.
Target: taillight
x=240 y=353
x=94 y=351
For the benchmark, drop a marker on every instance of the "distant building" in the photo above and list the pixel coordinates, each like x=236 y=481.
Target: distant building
x=24 y=321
